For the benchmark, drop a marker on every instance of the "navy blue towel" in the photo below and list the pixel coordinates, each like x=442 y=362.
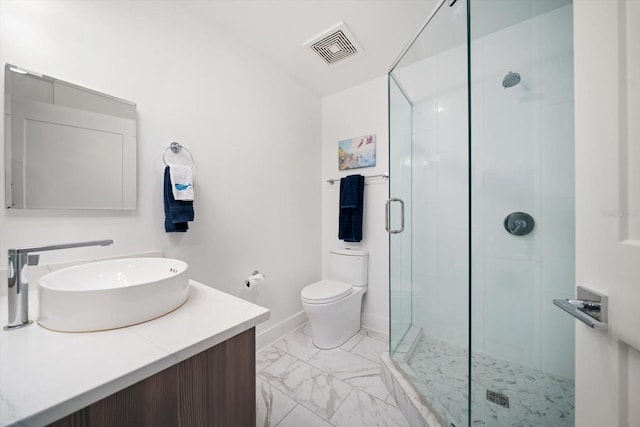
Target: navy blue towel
x=351 y=208
x=176 y=212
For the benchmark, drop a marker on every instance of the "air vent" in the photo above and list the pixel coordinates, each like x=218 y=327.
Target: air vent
x=335 y=44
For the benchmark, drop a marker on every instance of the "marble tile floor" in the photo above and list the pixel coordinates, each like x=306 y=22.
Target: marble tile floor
x=536 y=398
x=300 y=385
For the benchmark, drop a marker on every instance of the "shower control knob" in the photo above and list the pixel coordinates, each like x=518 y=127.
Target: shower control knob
x=519 y=223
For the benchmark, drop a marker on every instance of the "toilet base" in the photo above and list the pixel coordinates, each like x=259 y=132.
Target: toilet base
x=334 y=323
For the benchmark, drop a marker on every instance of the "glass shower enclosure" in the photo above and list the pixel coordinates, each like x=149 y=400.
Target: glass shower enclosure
x=481 y=212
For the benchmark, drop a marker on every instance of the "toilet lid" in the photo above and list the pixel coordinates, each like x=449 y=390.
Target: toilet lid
x=325 y=291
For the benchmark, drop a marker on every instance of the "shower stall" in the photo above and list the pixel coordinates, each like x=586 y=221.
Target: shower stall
x=481 y=214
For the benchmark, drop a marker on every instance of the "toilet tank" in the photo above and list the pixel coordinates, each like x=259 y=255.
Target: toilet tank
x=349 y=266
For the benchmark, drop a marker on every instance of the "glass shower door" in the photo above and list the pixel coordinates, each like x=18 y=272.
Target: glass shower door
x=429 y=171
x=398 y=214
x=482 y=156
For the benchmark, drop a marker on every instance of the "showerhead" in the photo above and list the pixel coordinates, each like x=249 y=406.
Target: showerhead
x=510 y=80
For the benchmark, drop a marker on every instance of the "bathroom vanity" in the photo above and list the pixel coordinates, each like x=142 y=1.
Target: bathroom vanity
x=193 y=366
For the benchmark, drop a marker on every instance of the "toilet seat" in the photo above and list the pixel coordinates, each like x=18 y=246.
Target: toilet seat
x=325 y=291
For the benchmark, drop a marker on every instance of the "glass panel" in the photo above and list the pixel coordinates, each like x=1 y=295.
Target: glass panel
x=522 y=161
x=400 y=187
x=431 y=171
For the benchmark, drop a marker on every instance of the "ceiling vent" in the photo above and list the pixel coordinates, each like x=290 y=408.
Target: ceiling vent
x=335 y=44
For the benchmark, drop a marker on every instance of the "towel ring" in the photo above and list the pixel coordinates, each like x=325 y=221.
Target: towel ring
x=176 y=147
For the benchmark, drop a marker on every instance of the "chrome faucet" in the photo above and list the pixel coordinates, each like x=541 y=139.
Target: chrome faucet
x=19 y=260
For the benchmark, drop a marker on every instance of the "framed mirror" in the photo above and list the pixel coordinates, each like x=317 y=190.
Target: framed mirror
x=66 y=146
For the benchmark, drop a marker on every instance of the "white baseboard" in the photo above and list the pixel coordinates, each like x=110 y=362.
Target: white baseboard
x=269 y=336
x=375 y=323
x=277 y=331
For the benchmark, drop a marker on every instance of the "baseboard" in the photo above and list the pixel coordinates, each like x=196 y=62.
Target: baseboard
x=375 y=323
x=274 y=333
x=277 y=331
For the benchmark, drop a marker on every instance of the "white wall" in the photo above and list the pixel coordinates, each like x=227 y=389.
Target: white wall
x=355 y=112
x=522 y=160
x=254 y=133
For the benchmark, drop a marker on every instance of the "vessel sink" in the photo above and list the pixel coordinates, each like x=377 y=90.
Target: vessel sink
x=111 y=294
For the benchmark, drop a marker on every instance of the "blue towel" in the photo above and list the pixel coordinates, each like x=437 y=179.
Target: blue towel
x=350 y=192
x=351 y=208
x=176 y=212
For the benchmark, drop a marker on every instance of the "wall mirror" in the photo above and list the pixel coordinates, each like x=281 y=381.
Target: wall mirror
x=66 y=146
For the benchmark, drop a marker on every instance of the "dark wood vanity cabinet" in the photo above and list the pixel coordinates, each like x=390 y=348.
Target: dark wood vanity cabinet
x=214 y=388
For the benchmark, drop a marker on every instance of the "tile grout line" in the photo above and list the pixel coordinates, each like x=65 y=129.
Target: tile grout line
x=273 y=361
x=352 y=387
x=364 y=334
x=295 y=399
x=287 y=414
x=354 y=346
x=340 y=405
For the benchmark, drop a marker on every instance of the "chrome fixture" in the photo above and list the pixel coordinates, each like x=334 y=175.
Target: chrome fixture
x=247 y=283
x=510 y=80
x=382 y=175
x=519 y=223
x=387 y=218
x=18 y=282
x=590 y=307
x=175 y=148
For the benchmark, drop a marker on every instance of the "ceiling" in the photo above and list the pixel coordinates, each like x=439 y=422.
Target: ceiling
x=279 y=28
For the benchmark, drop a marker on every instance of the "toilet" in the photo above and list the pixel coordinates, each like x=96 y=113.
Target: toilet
x=333 y=306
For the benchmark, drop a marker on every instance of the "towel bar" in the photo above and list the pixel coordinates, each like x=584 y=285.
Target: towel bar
x=176 y=147
x=382 y=175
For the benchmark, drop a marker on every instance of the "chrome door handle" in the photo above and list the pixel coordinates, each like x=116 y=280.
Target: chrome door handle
x=590 y=307
x=388 y=216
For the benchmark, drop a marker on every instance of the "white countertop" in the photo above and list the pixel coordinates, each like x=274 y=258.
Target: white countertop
x=46 y=375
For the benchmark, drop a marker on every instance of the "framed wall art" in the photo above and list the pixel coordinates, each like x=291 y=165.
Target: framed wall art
x=357 y=152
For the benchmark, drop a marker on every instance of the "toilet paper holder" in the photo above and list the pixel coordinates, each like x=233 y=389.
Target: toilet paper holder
x=246 y=282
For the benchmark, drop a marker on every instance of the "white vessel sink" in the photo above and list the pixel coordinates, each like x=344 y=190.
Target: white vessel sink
x=111 y=294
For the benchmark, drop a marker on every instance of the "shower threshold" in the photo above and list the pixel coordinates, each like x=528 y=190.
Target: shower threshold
x=438 y=371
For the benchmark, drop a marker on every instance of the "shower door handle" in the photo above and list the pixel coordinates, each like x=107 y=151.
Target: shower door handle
x=388 y=216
